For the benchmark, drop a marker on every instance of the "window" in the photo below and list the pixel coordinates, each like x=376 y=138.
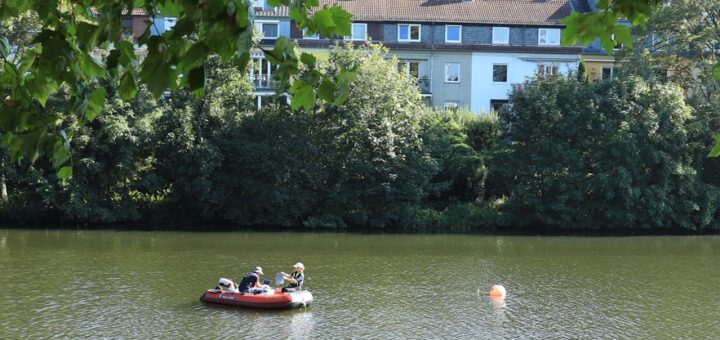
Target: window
x=359 y=32
x=126 y=26
x=498 y=104
x=500 y=73
x=268 y=29
x=453 y=33
x=409 y=68
x=452 y=73
x=450 y=106
x=258 y=3
x=607 y=72
x=408 y=32
x=618 y=45
x=547 y=70
x=501 y=35
x=549 y=36
x=310 y=37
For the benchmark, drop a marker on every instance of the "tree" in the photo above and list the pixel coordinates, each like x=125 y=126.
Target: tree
x=698 y=17
x=680 y=43
x=611 y=154
x=61 y=53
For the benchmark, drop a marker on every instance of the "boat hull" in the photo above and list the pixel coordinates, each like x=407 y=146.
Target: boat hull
x=274 y=299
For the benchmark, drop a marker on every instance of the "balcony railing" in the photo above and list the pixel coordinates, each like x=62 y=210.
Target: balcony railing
x=261 y=74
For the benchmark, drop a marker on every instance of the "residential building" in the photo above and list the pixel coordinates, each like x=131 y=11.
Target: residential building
x=462 y=53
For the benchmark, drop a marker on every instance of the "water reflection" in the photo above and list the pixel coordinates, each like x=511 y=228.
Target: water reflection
x=302 y=324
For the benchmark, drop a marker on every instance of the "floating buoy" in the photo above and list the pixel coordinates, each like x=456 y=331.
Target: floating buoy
x=497 y=292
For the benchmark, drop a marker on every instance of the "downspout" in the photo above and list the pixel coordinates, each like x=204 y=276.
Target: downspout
x=432 y=63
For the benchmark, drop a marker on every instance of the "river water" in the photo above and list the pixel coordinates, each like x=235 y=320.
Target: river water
x=80 y=284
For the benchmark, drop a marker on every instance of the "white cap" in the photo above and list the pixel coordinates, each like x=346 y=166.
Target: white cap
x=258 y=270
x=299 y=265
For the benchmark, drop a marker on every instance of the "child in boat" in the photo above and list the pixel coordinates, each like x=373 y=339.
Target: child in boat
x=295 y=279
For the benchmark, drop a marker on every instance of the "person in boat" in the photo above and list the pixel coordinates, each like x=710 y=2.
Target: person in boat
x=295 y=279
x=251 y=282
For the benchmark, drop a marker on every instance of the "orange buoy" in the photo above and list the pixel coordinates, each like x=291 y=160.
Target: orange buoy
x=497 y=292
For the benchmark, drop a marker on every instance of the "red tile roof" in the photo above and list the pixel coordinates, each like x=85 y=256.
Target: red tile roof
x=518 y=12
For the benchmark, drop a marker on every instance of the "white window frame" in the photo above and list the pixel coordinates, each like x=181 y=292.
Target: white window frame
x=406 y=68
x=553 y=68
x=365 y=35
x=447 y=66
x=410 y=39
x=259 y=26
x=555 y=31
x=451 y=104
x=494 y=35
x=507 y=73
x=448 y=41
x=602 y=71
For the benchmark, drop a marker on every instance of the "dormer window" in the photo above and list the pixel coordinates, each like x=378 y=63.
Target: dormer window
x=501 y=35
x=258 y=4
x=268 y=29
x=549 y=36
x=409 y=32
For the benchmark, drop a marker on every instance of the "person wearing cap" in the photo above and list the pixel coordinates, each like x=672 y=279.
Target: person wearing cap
x=295 y=279
x=251 y=281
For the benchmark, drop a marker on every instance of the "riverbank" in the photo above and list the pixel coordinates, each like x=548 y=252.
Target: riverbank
x=217 y=227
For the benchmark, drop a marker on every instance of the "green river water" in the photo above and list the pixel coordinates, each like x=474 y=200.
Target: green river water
x=146 y=285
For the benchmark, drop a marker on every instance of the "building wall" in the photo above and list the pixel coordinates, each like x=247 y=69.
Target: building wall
x=521 y=66
x=594 y=65
x=460 y=92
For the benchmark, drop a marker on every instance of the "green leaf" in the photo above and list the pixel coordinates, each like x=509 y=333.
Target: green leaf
x=127 y=88
x=324 y=23
x=716 y=72
x=326 y=90
x=156 y=72
x=715 y=152
x=40 y=88
x=90 y=67
x=95 y=104
x=194 y=56
x=196 y=80
x=303 y=95
x=342 y=19
x=87 y=35
x=65 y=172
x=242 y=14
x=307 y=59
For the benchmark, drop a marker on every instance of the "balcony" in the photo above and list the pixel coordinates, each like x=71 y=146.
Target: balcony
x=261 y=75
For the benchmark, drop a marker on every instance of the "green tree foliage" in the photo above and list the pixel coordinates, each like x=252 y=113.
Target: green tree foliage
x=61 y=55
x=376 y=160
x=612 y=154
x=680 y=43
x=606 y=22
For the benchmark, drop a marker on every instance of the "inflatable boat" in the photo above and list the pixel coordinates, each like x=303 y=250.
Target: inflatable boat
x=269 y=299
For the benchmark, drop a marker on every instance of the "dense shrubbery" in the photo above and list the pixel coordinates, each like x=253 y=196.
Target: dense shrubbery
x=623 y=154
x=615 y=154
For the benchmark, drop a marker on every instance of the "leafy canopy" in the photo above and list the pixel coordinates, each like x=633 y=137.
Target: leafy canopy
x=62 y=53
